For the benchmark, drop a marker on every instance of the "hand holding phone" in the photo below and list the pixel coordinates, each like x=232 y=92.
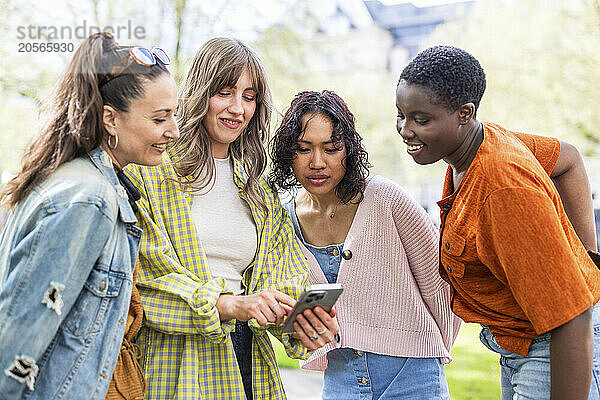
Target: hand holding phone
x=323 y=295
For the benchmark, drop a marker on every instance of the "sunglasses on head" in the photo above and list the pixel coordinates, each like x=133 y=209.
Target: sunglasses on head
x=148 y=57
x=142 y=56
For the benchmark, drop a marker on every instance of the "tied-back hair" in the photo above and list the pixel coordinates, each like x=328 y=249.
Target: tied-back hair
x=218 y=64
x=284 y=145
x=73 y=117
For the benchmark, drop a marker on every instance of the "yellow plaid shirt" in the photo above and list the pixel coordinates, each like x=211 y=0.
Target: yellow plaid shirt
x=186 y=350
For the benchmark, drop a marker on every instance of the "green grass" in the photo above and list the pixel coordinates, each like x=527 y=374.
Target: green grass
x=474 y=373
x=282 y=359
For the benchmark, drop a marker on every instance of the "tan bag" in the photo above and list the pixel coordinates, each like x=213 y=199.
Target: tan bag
x=128 y=382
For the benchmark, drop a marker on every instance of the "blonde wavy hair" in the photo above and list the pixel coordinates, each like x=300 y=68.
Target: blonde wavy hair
x=218 y=64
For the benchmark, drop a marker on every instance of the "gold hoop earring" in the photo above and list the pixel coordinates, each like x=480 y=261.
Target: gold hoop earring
x=116 y=141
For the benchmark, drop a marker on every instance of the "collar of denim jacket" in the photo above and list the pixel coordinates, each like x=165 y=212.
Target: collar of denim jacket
x=103 y=162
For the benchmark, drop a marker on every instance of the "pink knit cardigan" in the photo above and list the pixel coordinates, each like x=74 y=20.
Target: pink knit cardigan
x=394 y=300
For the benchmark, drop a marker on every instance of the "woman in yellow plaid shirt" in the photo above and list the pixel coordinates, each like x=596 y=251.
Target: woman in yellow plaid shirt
x=219 y=265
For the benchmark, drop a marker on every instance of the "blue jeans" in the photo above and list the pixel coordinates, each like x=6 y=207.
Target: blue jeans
x=353 y=374
x=529 y=377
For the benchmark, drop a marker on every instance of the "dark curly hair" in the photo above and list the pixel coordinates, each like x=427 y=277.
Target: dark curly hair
x=284 y=144
x=453 y=76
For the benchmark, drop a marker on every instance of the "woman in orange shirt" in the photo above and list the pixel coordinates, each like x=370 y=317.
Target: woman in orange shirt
x=513 y=259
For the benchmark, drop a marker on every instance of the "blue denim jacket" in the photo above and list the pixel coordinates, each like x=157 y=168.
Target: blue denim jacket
x=66 y=260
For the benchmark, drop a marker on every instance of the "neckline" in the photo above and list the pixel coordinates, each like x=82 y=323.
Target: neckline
x=361 y=206
x=222 y=161
x=468 y=173
x=296 y=223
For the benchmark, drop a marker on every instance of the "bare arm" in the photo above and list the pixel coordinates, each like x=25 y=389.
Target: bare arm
x=571 y=181
x=571 y=349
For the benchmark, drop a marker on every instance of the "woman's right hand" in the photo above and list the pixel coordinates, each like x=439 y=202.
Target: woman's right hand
x=268 y=306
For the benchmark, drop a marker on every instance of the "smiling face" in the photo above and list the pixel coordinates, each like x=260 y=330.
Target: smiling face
x=318 y=161
x=430 y=131
x=229 y=112
x=146 y=128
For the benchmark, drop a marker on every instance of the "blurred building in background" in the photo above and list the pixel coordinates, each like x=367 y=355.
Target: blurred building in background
x=375 y=36
x=409 y=25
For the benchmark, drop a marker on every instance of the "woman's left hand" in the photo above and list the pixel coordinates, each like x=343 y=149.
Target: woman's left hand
x=316 y=327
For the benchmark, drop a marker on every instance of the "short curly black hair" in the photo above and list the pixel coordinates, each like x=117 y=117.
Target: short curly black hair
x=284 y=144
x=452 y=75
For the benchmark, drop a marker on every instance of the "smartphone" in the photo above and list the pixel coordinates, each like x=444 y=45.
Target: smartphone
x=324 y=295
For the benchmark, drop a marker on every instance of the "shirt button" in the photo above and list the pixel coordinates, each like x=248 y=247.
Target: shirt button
x=448 y=268
x=364 y=381
x=102 y=285
x=336 y=252
x=346 y=254
x=359 y=353
x=447 y=245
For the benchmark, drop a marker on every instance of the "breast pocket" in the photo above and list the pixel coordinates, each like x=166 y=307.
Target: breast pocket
x=453 y=247
x=87 y=314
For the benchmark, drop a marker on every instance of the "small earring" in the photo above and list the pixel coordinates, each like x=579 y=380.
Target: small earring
x=116 y=141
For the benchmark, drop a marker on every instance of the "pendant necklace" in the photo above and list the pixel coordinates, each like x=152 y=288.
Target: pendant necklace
x=334 y=210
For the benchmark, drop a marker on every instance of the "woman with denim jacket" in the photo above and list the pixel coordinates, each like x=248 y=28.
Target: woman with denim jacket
x=69 y=246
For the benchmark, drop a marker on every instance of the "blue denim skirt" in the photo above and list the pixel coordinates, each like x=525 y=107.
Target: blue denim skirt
x=354 y=374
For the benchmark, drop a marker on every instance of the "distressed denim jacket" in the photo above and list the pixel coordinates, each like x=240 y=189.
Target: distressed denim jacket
x=66 y=259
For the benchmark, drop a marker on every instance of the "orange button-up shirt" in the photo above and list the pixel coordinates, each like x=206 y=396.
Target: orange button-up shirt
x=507 y=247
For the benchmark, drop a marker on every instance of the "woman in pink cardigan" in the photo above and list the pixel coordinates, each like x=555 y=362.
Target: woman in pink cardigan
x=396 y=326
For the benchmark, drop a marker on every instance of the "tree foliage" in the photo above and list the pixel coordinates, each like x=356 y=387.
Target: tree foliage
x=541 y=60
